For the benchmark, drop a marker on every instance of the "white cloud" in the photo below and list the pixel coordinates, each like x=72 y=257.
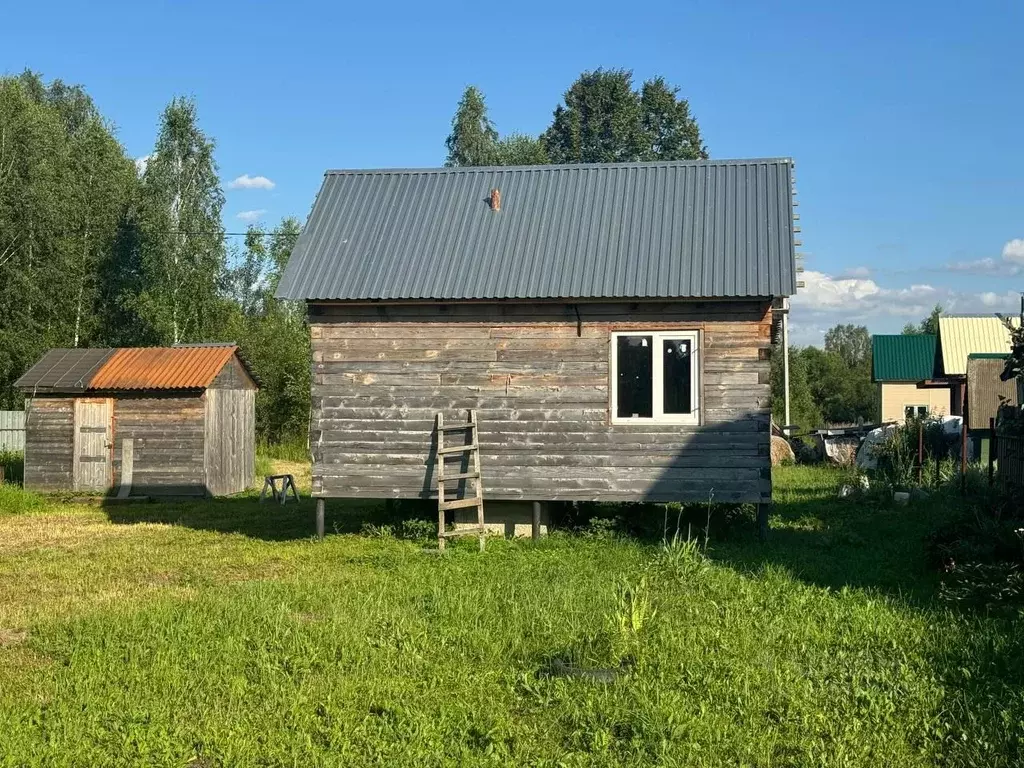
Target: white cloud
x=1013 y=251
x=141 y=163
x=1012 y=262
x=251 y=215
x=826 y=300
x=245 y=181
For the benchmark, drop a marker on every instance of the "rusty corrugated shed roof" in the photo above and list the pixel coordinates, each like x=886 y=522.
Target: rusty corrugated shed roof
x=666 y=229
x=963 y=335
x=163 y=367
x=986 y=391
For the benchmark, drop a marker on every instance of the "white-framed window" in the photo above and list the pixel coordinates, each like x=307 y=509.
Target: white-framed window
x=912 y=411
x=654 y=377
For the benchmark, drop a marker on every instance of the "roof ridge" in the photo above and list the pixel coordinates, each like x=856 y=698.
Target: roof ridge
x=561 y=166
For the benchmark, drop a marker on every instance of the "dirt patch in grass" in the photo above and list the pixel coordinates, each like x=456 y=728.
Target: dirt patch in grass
x=10 y=637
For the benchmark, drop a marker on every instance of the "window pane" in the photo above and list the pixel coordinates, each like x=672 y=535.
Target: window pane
x=678 y=380
x=635 y=385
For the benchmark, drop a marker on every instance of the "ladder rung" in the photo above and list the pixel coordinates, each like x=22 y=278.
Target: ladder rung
x=460 y=503
x=457 y=449
x=464 y=532
x=460 y=476
x=456 y=427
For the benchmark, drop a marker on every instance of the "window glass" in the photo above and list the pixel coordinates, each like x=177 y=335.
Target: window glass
x=635 y=384
x=677 y=384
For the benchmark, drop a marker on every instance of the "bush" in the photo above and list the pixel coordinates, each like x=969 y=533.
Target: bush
x=897 y=454
x=13 y=464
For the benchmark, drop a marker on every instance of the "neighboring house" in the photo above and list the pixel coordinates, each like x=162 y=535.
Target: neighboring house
x=610 y=323
x=902 y=365
x=961 y=336
x=176 y=421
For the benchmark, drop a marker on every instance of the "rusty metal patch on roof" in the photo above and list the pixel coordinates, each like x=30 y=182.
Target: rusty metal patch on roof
x=162 y=367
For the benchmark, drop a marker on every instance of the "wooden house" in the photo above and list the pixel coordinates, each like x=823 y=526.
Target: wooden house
x=609 y=323
x=170 y=421
x=903 y=366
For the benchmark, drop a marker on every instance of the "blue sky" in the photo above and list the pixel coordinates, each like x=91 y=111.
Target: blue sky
x=906 y=120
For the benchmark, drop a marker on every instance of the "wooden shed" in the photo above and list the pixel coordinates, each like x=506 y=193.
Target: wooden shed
x=155 y=421
x=610 y=324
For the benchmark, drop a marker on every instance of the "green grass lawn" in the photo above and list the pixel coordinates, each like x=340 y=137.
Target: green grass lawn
x=220 y=634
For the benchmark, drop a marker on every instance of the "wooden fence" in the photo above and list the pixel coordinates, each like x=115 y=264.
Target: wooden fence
x=12 y=430
x=1010 y=455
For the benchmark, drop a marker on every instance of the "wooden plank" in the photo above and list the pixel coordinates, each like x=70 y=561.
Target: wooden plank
x=459 y=503
x=457 y=449
x=127 y=467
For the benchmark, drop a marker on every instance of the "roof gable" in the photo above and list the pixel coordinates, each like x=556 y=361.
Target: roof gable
x=683 y=229
x=902 y=357
x=963 y=335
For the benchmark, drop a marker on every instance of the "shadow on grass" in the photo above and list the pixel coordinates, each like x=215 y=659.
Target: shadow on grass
x=245 y=515
x=858 y=542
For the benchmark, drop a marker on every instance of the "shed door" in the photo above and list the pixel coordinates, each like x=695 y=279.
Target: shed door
x=93 y=442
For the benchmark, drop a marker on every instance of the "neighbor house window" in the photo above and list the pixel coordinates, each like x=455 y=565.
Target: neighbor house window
x=911 y=411
x=654 y=377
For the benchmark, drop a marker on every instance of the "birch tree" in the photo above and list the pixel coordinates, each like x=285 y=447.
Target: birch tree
x=182 y=238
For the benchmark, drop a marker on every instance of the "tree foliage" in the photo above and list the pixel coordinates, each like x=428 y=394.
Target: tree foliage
x=929 y=325
x=65 y=186
x=830 y=385
x=604 y=120
x=473 y=137
x=181 y=232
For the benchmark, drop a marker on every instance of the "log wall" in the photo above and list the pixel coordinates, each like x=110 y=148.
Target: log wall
x=538 y=375
x=167 y=434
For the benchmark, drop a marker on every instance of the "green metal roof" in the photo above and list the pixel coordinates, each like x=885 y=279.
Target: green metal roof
x=903 y=357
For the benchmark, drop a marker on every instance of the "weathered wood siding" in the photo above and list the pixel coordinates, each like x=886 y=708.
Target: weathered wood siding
x=539 y=377
x=230 y=440
x=49 y=441
x=233 y=376
x=167 y=434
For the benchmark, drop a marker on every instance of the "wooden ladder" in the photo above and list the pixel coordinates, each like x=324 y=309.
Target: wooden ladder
x=472 y=449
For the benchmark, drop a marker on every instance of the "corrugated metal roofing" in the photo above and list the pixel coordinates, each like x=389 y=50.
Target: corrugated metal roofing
x=619 y=230
x=82 y=370
x=960 y=336
x=64 y=370
x=903 y=357
x=162 y=367
x=986 y=391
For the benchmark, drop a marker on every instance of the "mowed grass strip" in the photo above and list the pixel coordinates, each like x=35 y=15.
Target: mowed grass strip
x=219 y=633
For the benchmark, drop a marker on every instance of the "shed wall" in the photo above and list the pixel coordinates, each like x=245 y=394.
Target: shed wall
x=539 y=378
x=230 y=440
x=167 y=434
x=49 y=441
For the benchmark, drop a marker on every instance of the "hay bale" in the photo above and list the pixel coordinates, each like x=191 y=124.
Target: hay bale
x=782 y=452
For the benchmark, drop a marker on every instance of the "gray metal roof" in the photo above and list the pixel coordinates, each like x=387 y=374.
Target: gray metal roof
x=617 y=230
x=63 y=370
